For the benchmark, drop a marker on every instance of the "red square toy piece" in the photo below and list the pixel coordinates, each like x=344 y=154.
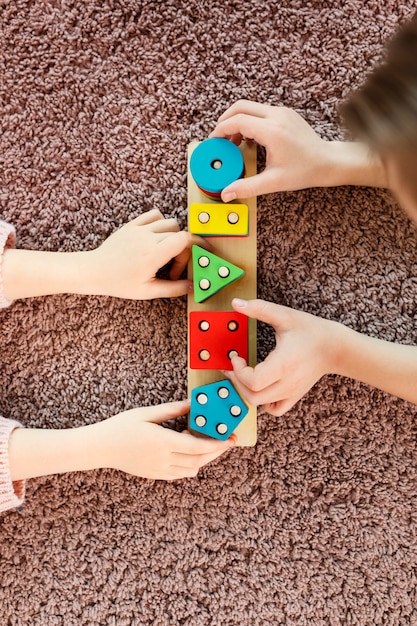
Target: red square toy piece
x=215 y=336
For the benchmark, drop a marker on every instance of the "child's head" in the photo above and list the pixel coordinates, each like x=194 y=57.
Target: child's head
x=383 y=114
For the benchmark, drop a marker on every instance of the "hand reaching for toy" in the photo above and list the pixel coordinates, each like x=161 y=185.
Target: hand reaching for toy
x=129 y=259
x=296 y=157
x=307 y=348
x=124 y=266
x=301 y=357
x=132 y=441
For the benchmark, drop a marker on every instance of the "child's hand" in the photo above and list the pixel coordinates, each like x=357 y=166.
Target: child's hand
x=293 y=149
x=304 y=352
x=296 y=157
x=125 y=265
x=134 y=442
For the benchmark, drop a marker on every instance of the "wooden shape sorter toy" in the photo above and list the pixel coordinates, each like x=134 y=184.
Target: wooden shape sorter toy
x=216 y=409
x=211 y=273
x=215 y=336
x=240 y=251
x=214 y=164
x=211 y=220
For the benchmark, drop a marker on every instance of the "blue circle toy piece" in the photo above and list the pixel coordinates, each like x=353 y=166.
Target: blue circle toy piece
x=214 y=164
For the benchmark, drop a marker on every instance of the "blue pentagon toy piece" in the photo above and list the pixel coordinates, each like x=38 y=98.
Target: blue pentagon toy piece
x=214 y=164
x=216 y=410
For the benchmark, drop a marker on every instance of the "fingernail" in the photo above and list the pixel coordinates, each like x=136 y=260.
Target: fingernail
x=190 y=287
x=226 y=374
x=238 y=302
x=227 y=196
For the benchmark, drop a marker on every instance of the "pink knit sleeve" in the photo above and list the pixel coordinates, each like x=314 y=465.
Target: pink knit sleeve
x=11 y=493
x=7 y=240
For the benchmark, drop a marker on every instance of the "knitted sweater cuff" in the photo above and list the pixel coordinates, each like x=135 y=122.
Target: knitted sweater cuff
x=7 y=240
x=11 y=493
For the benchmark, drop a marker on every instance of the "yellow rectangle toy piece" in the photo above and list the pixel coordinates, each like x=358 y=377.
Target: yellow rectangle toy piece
x=218 y=219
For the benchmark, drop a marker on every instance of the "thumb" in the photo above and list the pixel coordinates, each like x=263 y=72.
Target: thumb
x=268 y=312
x=160 y=288
x=164 y=412
x=262 y=183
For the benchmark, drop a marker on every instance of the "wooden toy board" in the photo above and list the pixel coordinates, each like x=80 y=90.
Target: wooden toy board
x=242 y=252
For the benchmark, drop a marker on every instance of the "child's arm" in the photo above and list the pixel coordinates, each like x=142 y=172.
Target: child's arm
x=124 y=266
x=307 y=348
x=296 y=157
x=133 y=441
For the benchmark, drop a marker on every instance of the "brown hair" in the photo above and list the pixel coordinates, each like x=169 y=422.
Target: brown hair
x=383 y=112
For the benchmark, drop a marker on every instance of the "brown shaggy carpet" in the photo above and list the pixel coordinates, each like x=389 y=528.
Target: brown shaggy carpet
x=315 y=525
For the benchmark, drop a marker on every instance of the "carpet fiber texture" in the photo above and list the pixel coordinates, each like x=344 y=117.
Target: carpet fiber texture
x=315 y=525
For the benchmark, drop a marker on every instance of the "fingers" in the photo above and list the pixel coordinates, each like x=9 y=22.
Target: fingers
x=279 y=408
x=182 y=471
x=157 y=222
x=177 y=246
x=166 y=225
x=173 y=245
x=189 y=445
x=249 y=126
x=265 y=182
x=274 y=397
x=195 y=462
x=248 y=107
x=190 y=453
x=274 y=314
x=180 y=261
x=147 y=218
x=179 y=264
x=185 y=442
x=259 y=385
x=159 y=288
x=164 y=412
x=237 y=138
x=187 y=465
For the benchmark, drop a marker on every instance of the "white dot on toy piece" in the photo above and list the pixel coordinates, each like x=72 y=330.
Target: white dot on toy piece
x=223 y=392
x=203 y=217
x=233 y=353
x=204 y=261
x=233 y=218
x=235 y=410
x=221 y=429
x=232 y=325
x=204 y=355
x=204 y=284
x=202 y=398
x=204 y=325
x=200 y=421
x=224 y=271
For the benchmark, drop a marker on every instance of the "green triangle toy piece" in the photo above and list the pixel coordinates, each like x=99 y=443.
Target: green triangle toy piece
x=211 y=273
